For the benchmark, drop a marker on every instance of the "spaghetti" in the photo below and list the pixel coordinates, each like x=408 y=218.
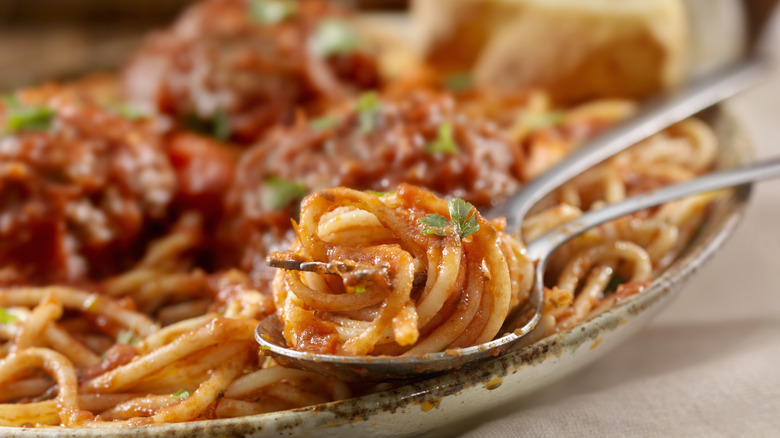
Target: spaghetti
x=132 y=262
x=467 y=287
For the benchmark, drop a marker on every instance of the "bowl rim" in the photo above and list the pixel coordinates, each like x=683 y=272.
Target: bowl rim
x=361 y=408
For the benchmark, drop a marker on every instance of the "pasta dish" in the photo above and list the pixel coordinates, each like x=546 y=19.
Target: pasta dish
x=136 y=218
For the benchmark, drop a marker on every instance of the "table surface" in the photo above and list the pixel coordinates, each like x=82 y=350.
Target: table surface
x=707 y=366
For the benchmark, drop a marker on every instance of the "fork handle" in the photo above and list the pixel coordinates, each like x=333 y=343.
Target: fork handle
x=549 y=242
x=654 y=116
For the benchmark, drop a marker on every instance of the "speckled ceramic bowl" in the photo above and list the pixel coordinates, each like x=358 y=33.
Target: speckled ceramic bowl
x=433 y=403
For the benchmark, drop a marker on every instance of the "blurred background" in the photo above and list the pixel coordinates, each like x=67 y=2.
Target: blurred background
x=54 y=39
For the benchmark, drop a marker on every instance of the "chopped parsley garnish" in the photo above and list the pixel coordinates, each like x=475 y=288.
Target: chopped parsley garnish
x=334 y=37
x=217 y=127
x=221 y=126
x=281 y=192
x=5 y=317
x=463 y=218
x=367 y=108
x=359 y=289
x=543 y=120
x=181 y=394
x=19 y=118
x=127 y=337
x=272 y=11
x=128 y=111
x=445 y=143
x=459 y=82
x=614 y=282
x=380 y=194
x=323 y=123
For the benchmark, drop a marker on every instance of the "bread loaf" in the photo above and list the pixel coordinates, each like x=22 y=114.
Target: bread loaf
x=574 y=49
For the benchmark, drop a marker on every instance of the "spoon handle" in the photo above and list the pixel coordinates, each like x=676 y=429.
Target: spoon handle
x=655 y=115
x=549 y=242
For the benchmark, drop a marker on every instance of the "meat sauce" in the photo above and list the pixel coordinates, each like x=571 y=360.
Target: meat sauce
x=375 y=142
x=77 y=191
x=222 y=63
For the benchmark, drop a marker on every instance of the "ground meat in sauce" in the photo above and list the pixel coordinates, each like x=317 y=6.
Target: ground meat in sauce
x=483 y=170
x=218 y=61
x=76 y=196
x=204 y=173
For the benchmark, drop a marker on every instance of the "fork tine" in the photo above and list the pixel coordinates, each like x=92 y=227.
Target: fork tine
x=300 y=265
x=333 y=268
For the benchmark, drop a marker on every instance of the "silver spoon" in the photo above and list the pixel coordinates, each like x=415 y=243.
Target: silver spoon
x=373 y=368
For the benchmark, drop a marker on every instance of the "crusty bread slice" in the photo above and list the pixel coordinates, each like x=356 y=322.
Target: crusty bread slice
x=575 y=49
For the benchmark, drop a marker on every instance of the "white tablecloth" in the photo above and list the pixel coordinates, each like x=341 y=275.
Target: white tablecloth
x=709 y=365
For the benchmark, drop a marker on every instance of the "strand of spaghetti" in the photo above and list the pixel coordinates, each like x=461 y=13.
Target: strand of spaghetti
x=78 y=300
x=62 y=341
x=589 y=296
x=216 y=330
x=183 y=374
x=443 y=281
x=403 y=277
x=521 y=269
x=229 y=408
x=20 y=414
x=405 y=325
x=138 y=407
x=208 y=391
x=174 y=313
x=46 y=413
x=167 y=334
x=186 y=235
x=318 y=204
x=326 y=300
x=57 y=366
x=352 y=225
x=252 y=382
x=581 y=264
x=27 y=387
x=165 y=286
x=494 y=268
x=189 y=408
x=294 y=396
x=47 y=310
x=466 y=307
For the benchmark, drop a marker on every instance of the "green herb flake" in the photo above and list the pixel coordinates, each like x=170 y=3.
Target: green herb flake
x=127 y=111
x=265 y=347
x=217 y=127
x=543 y=120
x=435 y=224
x=127 y=337
x=359 y=289
x=463 y=219
x=24 y=118
x=323 y=123
x=334 y=37
x=221 y=126
x=379 y=194
x=445 y=143
x=272 y=11
x=280 y=193
x=367 y=108
x=5 y=317
x=459 y=82
x=181 y=394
